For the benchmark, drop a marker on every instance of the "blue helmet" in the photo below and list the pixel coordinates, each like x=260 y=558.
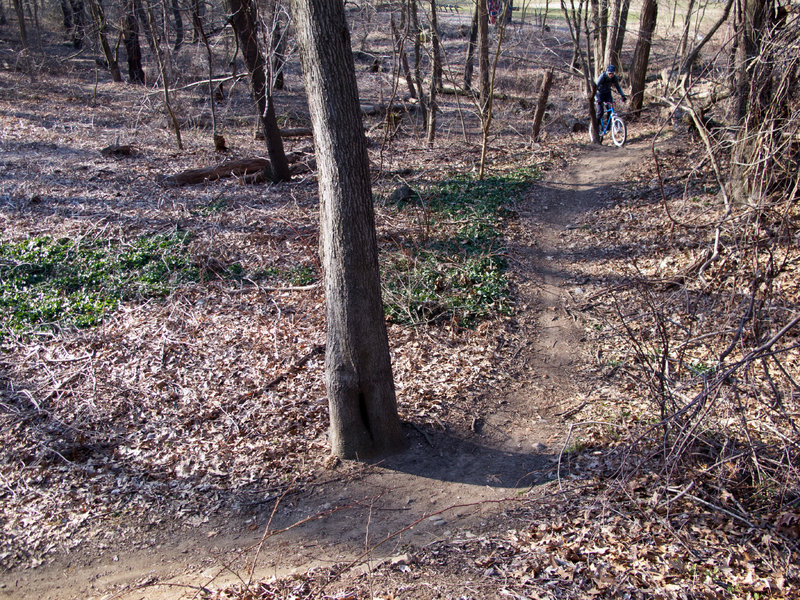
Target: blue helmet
x=611 y=68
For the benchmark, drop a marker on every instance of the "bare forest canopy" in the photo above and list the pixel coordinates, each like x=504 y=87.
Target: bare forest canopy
x=162 y=316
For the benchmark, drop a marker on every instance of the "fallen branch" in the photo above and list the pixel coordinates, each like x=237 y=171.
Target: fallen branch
x=232 y=168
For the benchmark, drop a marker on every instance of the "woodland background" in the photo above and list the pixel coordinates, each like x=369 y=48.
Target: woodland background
x=162 y=342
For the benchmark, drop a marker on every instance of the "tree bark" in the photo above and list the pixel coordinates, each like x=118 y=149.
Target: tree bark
x=78 y=23
x=611 y=58
x=198 y=11
x=751 y=18
x=23 y=31
x=641 y=55
x=99 y=16
x=436 y=47
x=541 y=104
x=436 y=75
x=178 y=18
x=622 y=30
x=473 y=39
x=414 y=21
x=130 y=36
x=483 y=54
x=66 y=11
x=599 y=32
x=358 y=373
x=244 y=18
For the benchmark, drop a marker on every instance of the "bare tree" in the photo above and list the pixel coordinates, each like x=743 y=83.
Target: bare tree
x=178 y=18
x=751 y=23
x=130 y=36
x=641 y=54
x=473 y=39
x=358 y=372
x=101 y=26
x=244 y=18
x=23 y=31
x=577 y=17
x=483 y=54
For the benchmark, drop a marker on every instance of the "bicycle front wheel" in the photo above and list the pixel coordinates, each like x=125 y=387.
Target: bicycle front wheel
x=619 y=132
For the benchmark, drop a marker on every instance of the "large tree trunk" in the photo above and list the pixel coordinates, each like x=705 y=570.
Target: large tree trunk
x=358 y=372
x=130 y=36
x=751 y=18
x=599 y=32
x=611 y=58
x=641 y=55
x=245 y=19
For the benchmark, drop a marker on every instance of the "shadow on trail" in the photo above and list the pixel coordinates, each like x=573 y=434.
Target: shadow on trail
x=448 y=458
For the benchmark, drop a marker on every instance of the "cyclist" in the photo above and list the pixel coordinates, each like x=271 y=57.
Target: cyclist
x=603 y=94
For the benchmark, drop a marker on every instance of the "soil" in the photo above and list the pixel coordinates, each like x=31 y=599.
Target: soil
x=455 y=482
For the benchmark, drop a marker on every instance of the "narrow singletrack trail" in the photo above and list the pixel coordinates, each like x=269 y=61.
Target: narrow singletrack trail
x=447 y=483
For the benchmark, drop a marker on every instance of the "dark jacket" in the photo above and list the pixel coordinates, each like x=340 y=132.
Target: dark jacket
x=604 y=83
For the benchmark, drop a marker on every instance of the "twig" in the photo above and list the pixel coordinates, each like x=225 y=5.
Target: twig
x=722 y=510
x=566 y=441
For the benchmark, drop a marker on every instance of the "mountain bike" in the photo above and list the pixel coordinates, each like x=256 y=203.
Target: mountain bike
x=611 y=122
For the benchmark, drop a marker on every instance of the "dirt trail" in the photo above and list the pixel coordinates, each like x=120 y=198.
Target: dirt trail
x=445 y=485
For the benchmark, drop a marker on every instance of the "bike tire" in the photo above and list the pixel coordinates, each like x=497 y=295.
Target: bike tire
x=619 y=131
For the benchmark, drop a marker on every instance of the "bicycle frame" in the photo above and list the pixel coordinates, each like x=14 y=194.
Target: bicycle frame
x=612 y=123
x=606 y=117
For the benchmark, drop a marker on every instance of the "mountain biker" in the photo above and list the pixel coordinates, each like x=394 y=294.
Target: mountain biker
x=603 y=94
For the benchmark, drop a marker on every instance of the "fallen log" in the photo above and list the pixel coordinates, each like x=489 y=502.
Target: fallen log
x=246 y=167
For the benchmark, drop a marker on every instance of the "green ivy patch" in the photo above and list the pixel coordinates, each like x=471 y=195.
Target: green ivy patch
x=46 y=281
x=456 y=268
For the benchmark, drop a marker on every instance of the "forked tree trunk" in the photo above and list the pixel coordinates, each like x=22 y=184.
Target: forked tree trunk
x=622 y=30
x=244 y=18
x=641 y=55
x=358 y=372
x=99 y=16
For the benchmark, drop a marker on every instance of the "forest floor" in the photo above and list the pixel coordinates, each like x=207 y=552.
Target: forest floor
x=450 y=486
x=170 y=441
